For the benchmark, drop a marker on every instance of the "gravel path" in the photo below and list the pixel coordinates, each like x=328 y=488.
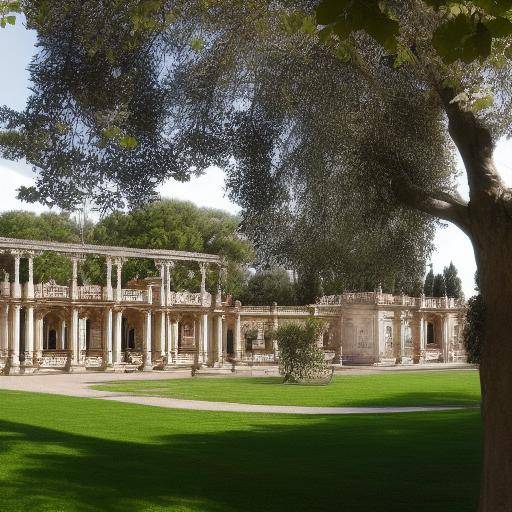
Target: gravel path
x=78 y=385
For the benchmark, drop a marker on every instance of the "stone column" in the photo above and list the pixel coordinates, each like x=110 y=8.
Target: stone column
x=224 y=341
x=119 y=289
x=168 y=266
x=108 y=336
x=445 y=340
x=203 y=352
x=74 y=338
x=29 y=336
x=423 y=339
x=162 y=331
x=4 y=338
x=398 y=341
x=148 y=360
x=219 y=356
x=62 y=339
x=163 y=296
x=117 y=336
x=174 y=337
x=15 y=337
x=202 y=268
x=16 y=287
x=30 y=282
x=74 y=279
x=110 y=292
x=39 y=335
x=237 y=338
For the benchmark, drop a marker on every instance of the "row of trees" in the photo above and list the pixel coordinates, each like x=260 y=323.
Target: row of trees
x=446 y=284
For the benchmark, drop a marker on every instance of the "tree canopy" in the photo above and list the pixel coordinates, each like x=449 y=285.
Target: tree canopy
x=268 y=286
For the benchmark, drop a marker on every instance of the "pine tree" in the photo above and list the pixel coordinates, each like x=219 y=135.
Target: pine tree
x=439 y=286
x=453 y=282
x=428 y=287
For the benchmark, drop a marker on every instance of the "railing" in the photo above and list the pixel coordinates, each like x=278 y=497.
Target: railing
x=189 y=299
x=389 y=299
x=90 y=292
x=50 y=290
x=132 y=295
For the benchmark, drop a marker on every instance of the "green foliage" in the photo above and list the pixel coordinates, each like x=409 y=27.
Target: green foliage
x=466 y=31
x=428 y=287
x=268 y=286
x=474 y=329
x=8 y=11
x=181 y=226
x=300 y=359
x=453 y=282
x=439 y=288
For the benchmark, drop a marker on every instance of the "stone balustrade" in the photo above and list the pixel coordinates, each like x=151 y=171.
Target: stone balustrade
x=390 y=299
x=189 y=299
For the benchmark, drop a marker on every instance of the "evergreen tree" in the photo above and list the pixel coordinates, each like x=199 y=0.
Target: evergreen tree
x=452 y=281
x=428 y=287
x=439 y=286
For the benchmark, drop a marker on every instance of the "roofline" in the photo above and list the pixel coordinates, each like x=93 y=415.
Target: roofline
x=13 y=244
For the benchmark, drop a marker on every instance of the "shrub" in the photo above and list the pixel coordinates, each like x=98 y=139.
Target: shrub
x=474 y=328
x=300 y=359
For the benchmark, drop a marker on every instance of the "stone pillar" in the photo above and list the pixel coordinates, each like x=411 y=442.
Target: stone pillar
x=16 y=287
x=108 y=336
x=110 y=292
x=163 y=296
x=62 y=339
x=29 y=336
x=237 y=338
x=148 y=360
x=162 y=331
x=202 y=268
x=39 y=335
x=203 y=339
x=30 y=282
x=445 y=340
x=15 y=337
x=219 y=356
x=174 y=337
x=224 y=341
x=4 y=338
x=119 y=289
x=423 y=339
x=168 y=266
x=416 y=338
x=74 y=339
x=74 y=279
x=117 y=336
x=398 y=341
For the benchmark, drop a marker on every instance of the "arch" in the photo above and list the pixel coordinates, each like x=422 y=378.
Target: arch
x=431 y=333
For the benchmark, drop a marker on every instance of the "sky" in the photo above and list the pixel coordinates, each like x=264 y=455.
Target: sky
x=17 y=48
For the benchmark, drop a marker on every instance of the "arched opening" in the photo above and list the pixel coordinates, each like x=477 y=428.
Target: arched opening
x=51 y=342
x=230 y=348
x=430 y=334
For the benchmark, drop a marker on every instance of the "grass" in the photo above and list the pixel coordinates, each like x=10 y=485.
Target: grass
x=382 y=389
x=75 y=454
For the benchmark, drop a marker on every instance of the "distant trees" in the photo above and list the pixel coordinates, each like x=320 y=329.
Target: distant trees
x=268 y=286
x=446 y=284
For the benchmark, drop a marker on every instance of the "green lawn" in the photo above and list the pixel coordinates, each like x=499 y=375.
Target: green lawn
x=387 y=388
x=74 y=454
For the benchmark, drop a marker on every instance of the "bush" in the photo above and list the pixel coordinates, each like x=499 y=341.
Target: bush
x=300 y=359
x=474 y=328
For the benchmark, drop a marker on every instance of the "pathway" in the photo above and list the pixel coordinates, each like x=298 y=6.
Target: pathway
x=78 y=385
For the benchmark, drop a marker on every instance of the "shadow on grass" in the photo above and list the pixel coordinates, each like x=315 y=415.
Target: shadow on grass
x=420 y=462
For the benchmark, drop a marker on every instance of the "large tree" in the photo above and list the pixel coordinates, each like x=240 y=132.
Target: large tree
x=339 y=146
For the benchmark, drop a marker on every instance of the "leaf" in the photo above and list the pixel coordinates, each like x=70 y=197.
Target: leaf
x=11 y=20
x=499 y=27
x=197 y=44
x=482 y=103
x=328 y=10
x=494 y=7
x=128 y=142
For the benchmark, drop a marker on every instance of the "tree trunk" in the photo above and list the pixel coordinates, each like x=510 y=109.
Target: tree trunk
x=493 y=249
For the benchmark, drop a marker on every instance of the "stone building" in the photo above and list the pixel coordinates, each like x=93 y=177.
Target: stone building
x=146 y=325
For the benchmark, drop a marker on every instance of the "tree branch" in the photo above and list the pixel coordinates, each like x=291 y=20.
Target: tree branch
x=475 y=144
x=437 y=203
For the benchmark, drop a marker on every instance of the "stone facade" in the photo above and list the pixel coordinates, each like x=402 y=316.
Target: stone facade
x=146 y=326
